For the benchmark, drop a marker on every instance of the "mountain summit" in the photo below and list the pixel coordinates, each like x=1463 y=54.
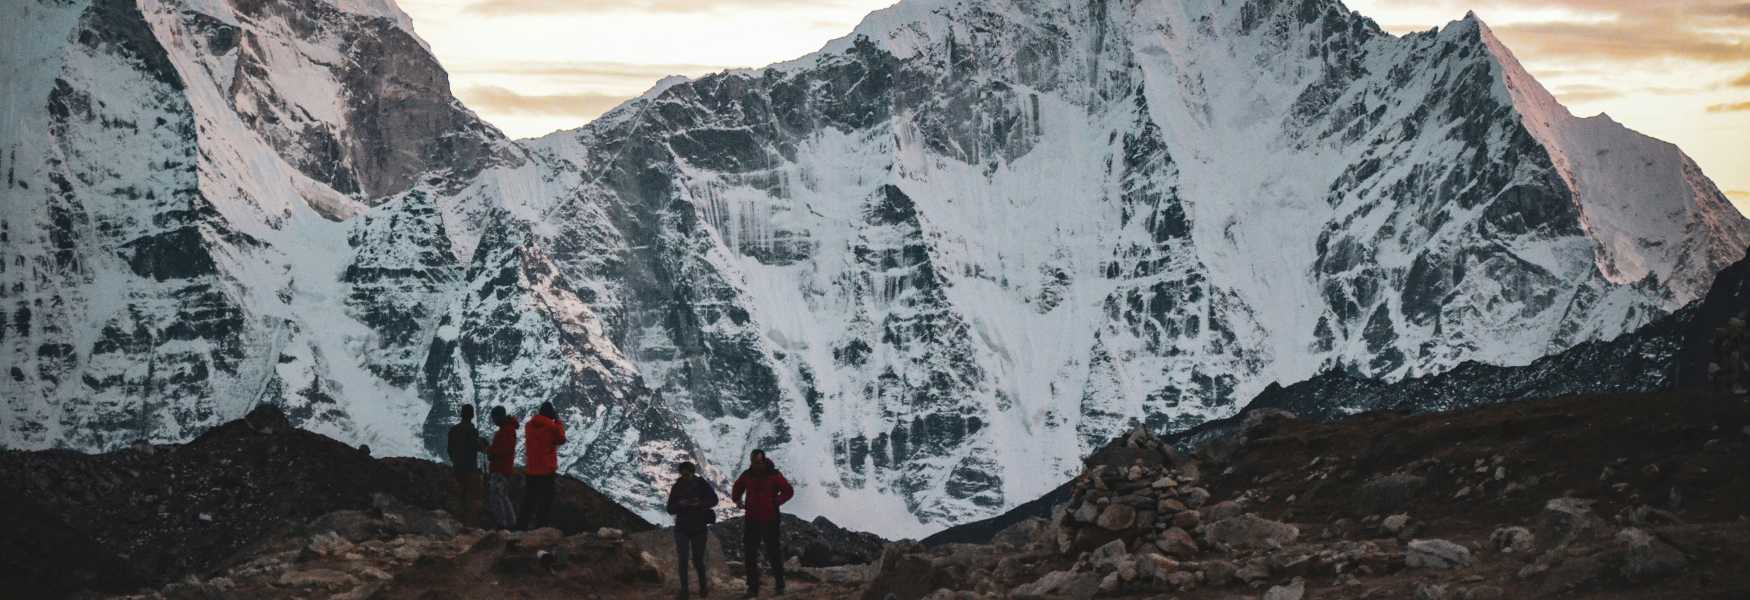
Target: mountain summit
x=927 y=267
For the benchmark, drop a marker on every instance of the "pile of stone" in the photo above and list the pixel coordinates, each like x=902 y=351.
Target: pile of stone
x=1136 y=489
x=1138 y=522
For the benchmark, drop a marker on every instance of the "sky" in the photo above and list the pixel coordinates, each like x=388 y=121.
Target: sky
x=1678 y=70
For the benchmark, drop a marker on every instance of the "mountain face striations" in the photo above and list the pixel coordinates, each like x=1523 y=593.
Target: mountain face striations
x=928 y=266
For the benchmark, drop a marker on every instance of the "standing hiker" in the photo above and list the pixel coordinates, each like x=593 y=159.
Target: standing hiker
x=760 y=490
x=542 y=438
x=691 y=501
x=465 y=445
x=501 y=466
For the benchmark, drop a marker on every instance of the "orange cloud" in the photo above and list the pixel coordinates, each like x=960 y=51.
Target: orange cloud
x=1732 y=107
x=1575 y=94
x=550 y=7
x=633 y=74
x=1740 y=198
x=1742 y=81
x=494 y=99
x=1713 y=31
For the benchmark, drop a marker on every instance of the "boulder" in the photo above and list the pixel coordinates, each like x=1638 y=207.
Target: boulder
x=1218 y=573
x=1648 y=557
x=1106 y=557
x=1565 y=519
x=1253 y=571
x=1295 y=590
x=905 y=571
x=1510 y=540
x=1436 y=554
x=1087 y=512
x=1153 y=566
x=1225 y=509
x=1195 y=497
x=1389 y=493
x=1189 y=519
x=1395 y=524
x=1060 y=584
x=1117 y=517
x=1109 y=584
x=1178 y=544
x=1250 y=531
x=1432 y=591
x=1021 y=534
x=1182 y=580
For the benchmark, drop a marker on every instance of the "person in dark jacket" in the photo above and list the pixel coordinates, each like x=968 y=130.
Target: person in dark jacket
x=542 y=438
x=465 y=445
x=500 y=468
x=760 y=491
x=691 y=501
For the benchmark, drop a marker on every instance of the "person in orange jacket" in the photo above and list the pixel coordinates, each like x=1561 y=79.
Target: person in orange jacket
x=761 y=491
x=542 y=438
x=501 y=467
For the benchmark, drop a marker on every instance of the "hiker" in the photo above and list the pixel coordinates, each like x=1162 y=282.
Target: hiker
x=465 y=445
x=542 y=438
x=760 y=490
x=501 y=467
x=691 y=501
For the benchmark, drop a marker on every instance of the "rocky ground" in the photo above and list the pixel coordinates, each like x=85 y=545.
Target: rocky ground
x=392 y=550
x=150 y=515
x=1629 y=496
x=1634 y=496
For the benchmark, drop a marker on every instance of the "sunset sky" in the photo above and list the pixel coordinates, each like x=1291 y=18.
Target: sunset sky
x=1678 y=70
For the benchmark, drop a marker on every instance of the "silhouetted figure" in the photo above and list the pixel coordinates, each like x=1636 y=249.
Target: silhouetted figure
x=541 y=440
x=501 y=466
x=691 y=501
x=465 y=445
x=760 y=490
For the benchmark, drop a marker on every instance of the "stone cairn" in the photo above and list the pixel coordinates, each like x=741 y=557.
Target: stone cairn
x=1139 y=522
x=1138 y=488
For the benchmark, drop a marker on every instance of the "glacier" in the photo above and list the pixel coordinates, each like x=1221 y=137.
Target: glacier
x=928 y=266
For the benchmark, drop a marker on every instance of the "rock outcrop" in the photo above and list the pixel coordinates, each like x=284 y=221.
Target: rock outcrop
x=154 y=513
x=1577 y=497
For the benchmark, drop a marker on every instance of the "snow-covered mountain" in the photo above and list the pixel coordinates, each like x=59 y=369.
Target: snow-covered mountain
x=928 y=266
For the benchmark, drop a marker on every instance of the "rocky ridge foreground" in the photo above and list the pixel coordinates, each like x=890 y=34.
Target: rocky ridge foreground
x=152 y=514
x=1622 y=496
x=1625 y=496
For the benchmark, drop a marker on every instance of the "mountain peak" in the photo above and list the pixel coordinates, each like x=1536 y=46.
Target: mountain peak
x=1195 y=200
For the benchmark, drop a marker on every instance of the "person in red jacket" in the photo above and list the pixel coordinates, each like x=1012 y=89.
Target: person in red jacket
x=760 y=490
x=542 y=438
x=500 y=468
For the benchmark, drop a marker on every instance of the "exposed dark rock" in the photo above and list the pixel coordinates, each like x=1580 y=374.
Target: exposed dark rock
x=817 y=543
x=115 y=522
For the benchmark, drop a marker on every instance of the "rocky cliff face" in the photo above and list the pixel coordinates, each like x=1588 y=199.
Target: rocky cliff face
x=928 y=265
x=973 y=236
